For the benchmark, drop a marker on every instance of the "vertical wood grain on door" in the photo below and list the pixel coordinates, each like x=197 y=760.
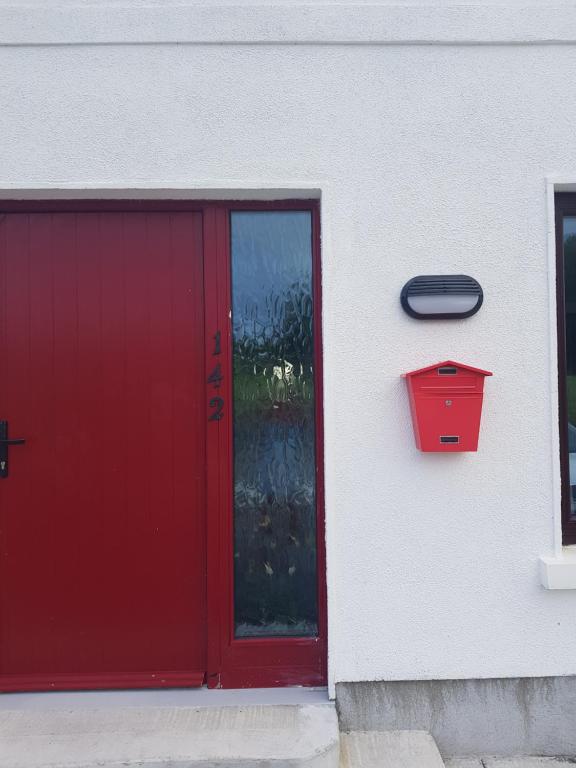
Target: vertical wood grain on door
x=102 y=523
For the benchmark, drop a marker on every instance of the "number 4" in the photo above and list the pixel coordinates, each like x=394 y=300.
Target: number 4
x=216 y=376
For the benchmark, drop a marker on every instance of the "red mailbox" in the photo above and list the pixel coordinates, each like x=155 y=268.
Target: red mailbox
x=446 y=405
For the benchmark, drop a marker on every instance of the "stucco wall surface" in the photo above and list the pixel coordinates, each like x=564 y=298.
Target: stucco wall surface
x=431 y=158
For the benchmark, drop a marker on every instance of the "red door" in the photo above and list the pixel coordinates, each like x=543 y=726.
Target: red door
x=102 y=516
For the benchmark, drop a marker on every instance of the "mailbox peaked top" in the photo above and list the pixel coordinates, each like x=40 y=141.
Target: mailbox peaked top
x=446 y=364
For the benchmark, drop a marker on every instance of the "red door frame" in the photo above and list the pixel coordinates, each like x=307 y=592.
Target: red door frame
x=253 y=662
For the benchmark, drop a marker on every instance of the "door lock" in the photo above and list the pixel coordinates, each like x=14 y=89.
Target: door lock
x=4 y=444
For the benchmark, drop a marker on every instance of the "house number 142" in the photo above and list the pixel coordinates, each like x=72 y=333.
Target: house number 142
x=216 y=403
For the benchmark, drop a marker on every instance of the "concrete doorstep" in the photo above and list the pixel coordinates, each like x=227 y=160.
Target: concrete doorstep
x=389 y=749
x=287 y=735
x=277 y=736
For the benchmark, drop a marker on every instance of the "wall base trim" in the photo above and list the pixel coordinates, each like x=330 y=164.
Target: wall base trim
x=500 y=716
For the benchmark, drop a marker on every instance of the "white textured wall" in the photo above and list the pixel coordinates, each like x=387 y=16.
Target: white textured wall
x=431 y=158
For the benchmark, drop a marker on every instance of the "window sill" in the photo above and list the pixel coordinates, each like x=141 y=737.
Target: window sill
x=559 y=572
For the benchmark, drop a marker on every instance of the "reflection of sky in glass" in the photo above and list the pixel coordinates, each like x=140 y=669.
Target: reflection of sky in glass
x=274 y=431
x=569 y=226
x=276 y=246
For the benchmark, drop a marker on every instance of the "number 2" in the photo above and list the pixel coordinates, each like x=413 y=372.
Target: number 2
x=218 y=404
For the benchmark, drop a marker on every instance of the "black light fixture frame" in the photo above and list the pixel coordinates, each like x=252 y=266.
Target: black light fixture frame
x=441 y=285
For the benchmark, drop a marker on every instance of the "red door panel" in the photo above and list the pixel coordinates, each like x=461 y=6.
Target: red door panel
x=102 y=521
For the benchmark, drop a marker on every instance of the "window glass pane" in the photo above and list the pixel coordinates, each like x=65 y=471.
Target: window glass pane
x=274 y=433
x=570 y=305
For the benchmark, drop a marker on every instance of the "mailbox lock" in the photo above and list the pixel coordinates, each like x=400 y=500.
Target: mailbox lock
x=448 y=402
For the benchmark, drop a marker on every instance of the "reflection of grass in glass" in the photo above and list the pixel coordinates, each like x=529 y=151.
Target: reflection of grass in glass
x=274 y=495
x=265 y=388
x=274 y=461
x=571 y=397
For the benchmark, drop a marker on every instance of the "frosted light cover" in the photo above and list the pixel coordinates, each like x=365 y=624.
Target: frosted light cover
x=434 y=305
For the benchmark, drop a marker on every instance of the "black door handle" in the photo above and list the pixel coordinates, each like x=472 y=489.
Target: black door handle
x=4 y=443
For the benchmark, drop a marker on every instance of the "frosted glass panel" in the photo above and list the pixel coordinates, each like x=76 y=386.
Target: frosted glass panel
x=570 y=305
x=274 y=432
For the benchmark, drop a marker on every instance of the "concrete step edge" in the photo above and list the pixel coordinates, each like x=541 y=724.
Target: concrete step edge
x=282 y=736
x=389 y=749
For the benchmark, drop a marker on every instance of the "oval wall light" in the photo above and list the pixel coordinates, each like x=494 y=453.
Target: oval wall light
x=441 y=297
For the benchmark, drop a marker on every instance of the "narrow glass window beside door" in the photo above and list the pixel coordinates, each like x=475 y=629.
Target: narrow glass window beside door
x=275 y=579
x=569 y=238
